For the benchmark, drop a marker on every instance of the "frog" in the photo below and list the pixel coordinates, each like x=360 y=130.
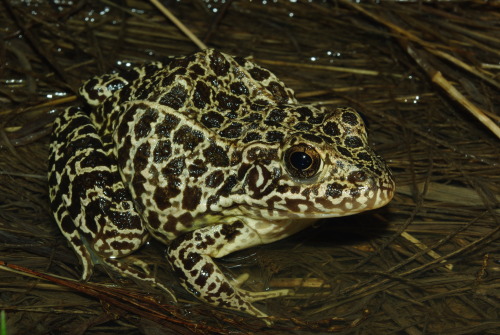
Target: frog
x=209 y=154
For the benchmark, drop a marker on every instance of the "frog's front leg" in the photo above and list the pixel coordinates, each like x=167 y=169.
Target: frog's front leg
x=191 y=258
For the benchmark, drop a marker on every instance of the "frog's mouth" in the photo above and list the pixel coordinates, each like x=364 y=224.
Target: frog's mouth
x=349 y=202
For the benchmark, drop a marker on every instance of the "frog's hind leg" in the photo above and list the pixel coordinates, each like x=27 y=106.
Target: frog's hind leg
x=91 y=205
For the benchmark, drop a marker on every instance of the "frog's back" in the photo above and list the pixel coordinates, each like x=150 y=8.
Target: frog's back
x=214 y=89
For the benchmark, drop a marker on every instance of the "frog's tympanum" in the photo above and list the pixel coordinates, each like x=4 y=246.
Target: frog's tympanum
x=208 y=154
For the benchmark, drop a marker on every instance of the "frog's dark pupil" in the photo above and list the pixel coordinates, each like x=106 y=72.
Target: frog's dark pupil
x=300 y=160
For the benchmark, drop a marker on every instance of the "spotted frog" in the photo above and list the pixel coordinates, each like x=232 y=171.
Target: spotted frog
x=208 y=154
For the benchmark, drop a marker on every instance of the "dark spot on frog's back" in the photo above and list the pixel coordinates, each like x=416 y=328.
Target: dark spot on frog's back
x=227 y=187
x=304 y=113
x=350 y=118
x=169 y=123
x=344 y=151
x=175 y=98
x=216 y=156
x=278 y=92
x=90 y=89
x=153 y=219
x=259 y=74
x=232 y=131
x=115 y=84
x=162 y=151
x=143 y=126
x=141 y=158
x=275 y=116
x=174 y=167
x=302 y=126
x=188 y=138
x=365 y=156
x=162 y=195
x=181 y=62
x=239 y=88
x=191 y=198
x=214 y=179
x=252 y=137
x=219 y=64
x=274 y=136
x=206 y=271
x=228 y=102
x=197 y=70
x=124 y=151
x=129 y=75
x=197 y=169
x=212 y=119
x=202 y=95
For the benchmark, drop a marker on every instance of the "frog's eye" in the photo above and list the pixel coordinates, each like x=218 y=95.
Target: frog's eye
x=302 y=161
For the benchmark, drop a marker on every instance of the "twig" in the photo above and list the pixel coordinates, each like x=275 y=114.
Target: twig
x=179 y=24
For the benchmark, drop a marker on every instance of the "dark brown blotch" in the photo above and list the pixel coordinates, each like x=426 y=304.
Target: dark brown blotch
x=143 y=126
x=162 y=151
x=331 y=129
x=303 y=126
x=252 y=136
x=334 y=190
x=168 y=123
x=231 y=231
x=259 y=74
x=212 y=119
x=205 y=273
x=141 y=157
x=312 y=138
x=274 y=136
x=229 y=184
x=356 y=177
x=228 y=102
x=353 y=142
x=219 y=64
x=275 y=116
x=201 y=95
x=278 y=92
x=175 y=98
x=214 y=179
x=234 y=130
x=153 y=220
x=197 y=169
x=162 y=196
x=191 y=198
x=174 y=167
x=344 y=151
x=238 y=88
x=188 y=137
x=350 y=118
x=216 y=156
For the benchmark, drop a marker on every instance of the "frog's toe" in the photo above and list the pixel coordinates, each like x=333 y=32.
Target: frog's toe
x=240 y=280
x=257 y=296
x=138 y=269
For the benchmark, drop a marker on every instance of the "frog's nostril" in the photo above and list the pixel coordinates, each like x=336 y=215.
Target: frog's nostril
x=357 y=177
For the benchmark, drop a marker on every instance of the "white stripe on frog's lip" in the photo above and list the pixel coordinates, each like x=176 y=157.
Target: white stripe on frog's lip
x=311 y=211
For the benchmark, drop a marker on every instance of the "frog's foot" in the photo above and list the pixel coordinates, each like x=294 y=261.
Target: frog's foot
x=191 y=258
x=137 y=269
x=256 y=296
